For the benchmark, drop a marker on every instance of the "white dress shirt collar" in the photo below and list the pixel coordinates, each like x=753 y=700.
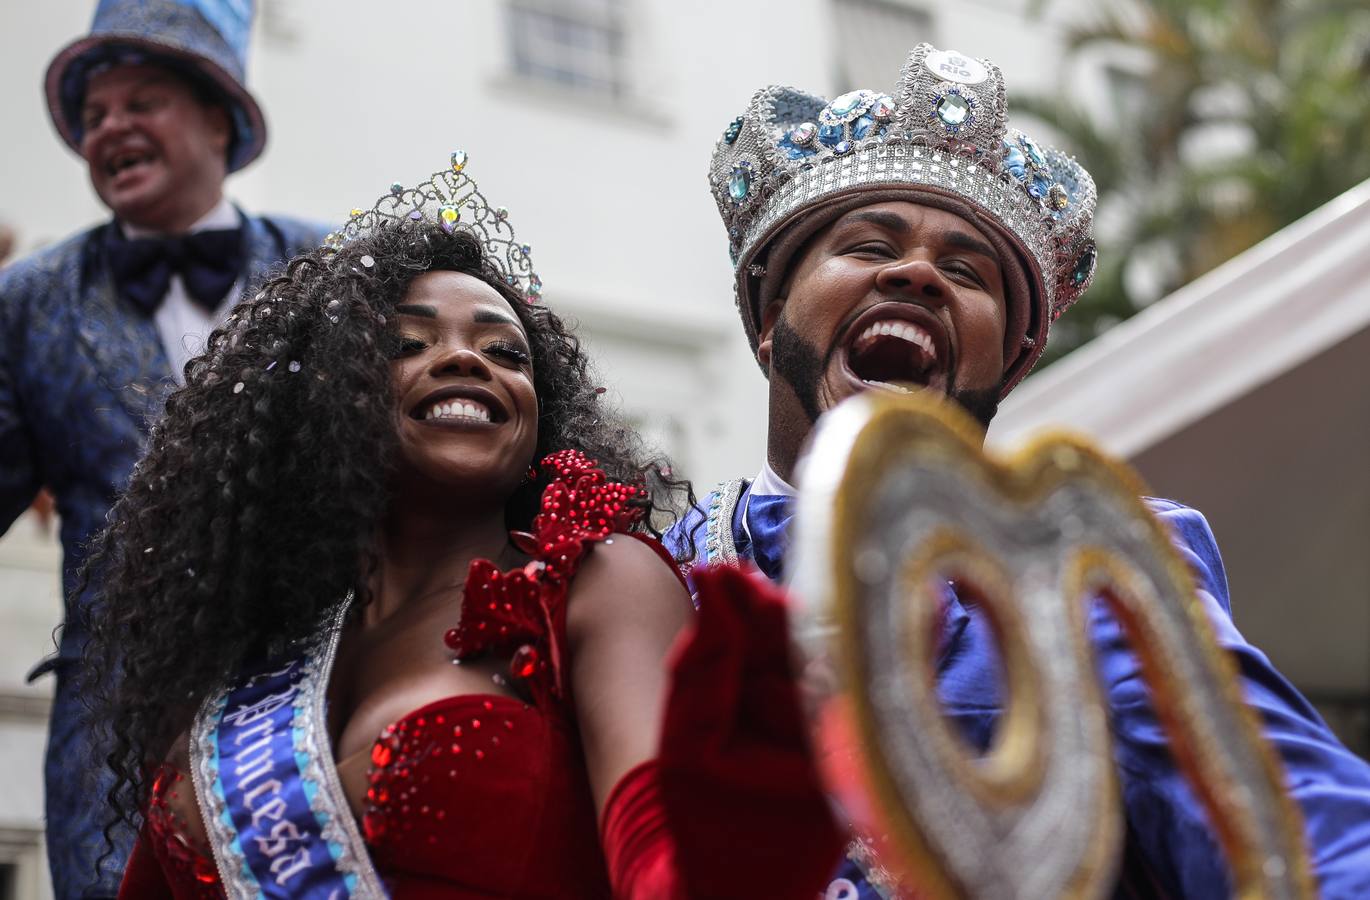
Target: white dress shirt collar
x=223 y=215
x=769 y=484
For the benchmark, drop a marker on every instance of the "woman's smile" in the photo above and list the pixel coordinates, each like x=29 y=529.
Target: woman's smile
x=460 y=405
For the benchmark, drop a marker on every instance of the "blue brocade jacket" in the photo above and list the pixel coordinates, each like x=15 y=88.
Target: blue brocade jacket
x=1170 y=849
x=82 y=375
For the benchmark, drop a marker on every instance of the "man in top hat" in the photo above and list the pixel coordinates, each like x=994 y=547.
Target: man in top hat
x=95 y=329
x=882 y=241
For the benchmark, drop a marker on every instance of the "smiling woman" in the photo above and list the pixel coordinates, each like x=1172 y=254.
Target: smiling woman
x=320 y=529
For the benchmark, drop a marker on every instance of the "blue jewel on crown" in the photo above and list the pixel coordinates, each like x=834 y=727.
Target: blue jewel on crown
x=1014 y=161
x=854 y=116
x=734 y=129
x=740 y=182
x=1034 y=154
x=847 y=107
x=953 y=107
x=1084 y=267
x=798 y=142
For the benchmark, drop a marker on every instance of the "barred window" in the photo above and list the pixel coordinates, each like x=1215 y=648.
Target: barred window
x=874 y=39
x=578 y=44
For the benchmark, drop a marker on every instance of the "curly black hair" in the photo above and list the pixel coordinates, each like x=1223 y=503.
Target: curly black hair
x=255 y=508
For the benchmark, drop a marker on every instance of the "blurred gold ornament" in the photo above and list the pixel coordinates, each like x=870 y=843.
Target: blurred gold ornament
x=897 y=498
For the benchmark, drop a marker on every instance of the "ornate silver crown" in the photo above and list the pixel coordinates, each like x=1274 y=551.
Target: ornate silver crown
x=453 y=200
x=944 y=128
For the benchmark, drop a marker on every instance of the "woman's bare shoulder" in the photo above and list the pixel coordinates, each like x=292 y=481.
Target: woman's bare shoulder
x=626 y=577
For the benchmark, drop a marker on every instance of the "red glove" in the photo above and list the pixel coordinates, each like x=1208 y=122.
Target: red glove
x=638 y=848
x=744 y=800
x=733 y=806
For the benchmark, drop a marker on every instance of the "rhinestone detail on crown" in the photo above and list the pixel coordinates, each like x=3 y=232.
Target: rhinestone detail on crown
x=452 y=199
x=945 y=127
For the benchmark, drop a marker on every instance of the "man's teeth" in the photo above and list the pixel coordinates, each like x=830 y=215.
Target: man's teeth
x=888 y=386
x=898 y=328
x=459 y=409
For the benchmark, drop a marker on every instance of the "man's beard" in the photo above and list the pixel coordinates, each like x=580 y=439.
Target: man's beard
x=983 y=404
x=799 y=364
x=802 y=367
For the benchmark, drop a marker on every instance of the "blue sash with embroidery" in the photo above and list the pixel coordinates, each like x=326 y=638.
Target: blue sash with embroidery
x=265 y=777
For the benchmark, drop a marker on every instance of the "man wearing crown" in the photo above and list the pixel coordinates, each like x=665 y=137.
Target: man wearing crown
x=94 y=329
x=913 y=240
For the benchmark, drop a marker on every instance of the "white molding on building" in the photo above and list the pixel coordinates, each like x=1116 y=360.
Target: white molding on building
x=1260 y=314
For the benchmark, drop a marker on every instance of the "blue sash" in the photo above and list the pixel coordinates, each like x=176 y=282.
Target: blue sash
x=264 y=773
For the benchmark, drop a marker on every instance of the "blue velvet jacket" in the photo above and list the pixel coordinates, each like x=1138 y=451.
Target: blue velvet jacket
x=1170 y=849
x=83 y=374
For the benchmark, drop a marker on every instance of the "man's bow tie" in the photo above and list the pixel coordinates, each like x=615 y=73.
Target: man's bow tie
x=209 y=262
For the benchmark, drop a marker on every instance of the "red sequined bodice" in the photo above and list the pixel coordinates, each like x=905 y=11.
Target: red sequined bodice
x=478 y=795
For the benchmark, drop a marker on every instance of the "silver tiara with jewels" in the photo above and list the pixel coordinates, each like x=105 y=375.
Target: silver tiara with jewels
x=944 y=128
x=453 y=200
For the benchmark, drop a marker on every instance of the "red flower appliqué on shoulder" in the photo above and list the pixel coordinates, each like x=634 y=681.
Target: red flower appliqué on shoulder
x=522 y=609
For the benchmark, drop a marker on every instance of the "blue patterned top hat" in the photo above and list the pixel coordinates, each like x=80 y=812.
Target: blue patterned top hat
x=203 y=39
x=794 y=162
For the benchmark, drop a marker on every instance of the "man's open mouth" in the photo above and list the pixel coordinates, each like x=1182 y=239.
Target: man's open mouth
x=898 y=347
x=123 y=161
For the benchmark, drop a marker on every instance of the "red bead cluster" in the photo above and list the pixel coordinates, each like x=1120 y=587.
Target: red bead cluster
x=497 y=607
x=522 y=607
x=579 y=508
